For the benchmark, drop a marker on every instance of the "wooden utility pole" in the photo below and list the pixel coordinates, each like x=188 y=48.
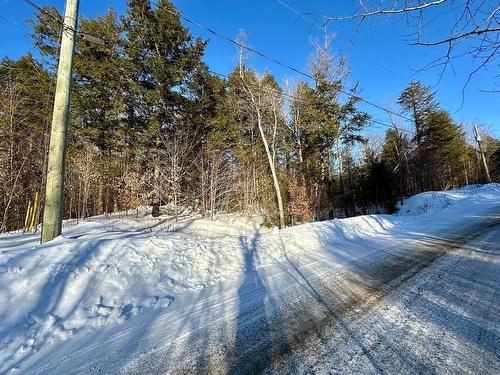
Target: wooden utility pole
x=54 y=189
x=480 y=147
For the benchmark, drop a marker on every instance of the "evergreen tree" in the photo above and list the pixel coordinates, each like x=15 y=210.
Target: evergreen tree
x=492 y=146
x=420 y=102
x=101 y=87
x=164 y=57
x=445 y=147
x=150 y=124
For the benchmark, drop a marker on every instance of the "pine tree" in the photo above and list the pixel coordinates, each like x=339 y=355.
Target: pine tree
x=420 y=102
x=445 y=147
x=164 y=57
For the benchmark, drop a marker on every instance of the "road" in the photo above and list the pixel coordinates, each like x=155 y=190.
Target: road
x=421 y=303
x=427 y=306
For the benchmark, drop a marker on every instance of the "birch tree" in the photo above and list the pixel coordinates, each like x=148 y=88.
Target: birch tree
x=255 y=90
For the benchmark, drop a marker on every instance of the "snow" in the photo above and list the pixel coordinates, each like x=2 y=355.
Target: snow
x=432 y=202
x=112 y=272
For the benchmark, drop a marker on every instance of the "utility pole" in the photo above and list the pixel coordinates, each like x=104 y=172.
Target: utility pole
x=480 y=147
x=54 y=190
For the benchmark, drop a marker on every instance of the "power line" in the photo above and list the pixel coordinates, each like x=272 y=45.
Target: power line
x=44 y=11
x=297 y=99
x=378 y=122
x=281 y=92
x=295 y=11
x=99 y=40
x=274 y=60
x=87 y=36
x=241 y=45
x=8 y=21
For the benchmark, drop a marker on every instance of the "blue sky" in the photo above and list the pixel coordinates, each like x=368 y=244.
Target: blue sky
x=379 y=55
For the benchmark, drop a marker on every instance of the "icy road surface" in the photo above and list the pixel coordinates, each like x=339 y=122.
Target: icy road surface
x=418 y=303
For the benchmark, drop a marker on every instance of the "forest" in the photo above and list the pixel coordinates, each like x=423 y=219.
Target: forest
x=151 y=125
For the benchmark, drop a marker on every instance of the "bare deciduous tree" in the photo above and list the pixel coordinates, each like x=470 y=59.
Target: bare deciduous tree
x=12 y=120
x=256 y=95
x=470 y=27
x=175 y=164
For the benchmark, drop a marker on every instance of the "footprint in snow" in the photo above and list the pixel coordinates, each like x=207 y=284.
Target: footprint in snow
x=166 y=301
x=129 y=310
x=101 y=309
x=163 y=301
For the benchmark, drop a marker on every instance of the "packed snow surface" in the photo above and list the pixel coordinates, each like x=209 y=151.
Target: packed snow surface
x=107 y=272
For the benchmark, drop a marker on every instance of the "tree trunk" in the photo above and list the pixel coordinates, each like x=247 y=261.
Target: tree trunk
x=341 y=179
x=257 y=106
x=273 y=170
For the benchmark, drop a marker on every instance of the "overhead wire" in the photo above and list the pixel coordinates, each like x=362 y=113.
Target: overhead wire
x=250 y=49
x=297 y=99
x=93 y=38
x=276 y=61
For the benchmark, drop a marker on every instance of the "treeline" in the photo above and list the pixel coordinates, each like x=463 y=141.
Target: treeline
x=151 y=125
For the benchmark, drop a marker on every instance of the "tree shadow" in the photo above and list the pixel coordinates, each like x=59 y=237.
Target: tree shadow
x=251 y=352
x=269 y=327
x=332 y=311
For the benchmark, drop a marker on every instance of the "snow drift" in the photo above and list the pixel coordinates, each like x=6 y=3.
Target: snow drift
x=432 y=202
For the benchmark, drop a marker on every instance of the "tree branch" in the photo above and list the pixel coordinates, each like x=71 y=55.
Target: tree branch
x=453 y=38
x=379 y=11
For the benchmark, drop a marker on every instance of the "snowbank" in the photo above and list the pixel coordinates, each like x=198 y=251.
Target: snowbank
x=432 y=202
x=104 y=271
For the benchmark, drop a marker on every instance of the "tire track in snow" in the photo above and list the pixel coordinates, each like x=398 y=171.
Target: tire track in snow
x=386 y=275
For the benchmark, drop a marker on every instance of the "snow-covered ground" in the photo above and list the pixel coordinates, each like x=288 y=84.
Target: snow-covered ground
x=112 y=289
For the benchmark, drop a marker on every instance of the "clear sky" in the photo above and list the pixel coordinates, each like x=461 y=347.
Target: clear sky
x=379 y=55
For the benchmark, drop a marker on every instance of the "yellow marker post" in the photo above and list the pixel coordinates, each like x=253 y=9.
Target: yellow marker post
x=33 y=214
